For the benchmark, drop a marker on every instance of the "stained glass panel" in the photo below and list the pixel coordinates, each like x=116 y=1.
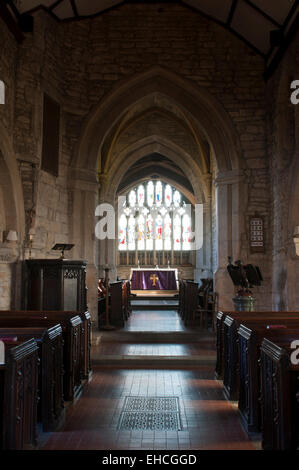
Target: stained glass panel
x=141 y=229
x=123 y=232
x=149 y=233
x=158 y=234
x=168 y=195
x=167 y=232
x=132 y=198
x=177 y=233
x=141 y=195
x=159 y=193
x=176 y=199
x=150 y=194
x=131 y=233
x=186 y=232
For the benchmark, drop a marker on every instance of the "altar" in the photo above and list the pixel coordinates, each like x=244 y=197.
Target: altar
x=154 y=279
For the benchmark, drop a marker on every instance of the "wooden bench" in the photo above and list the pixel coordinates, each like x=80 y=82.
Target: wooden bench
x=219 y=333
x=72 y=333
x=191 y=302
x=279 y=396
x=117 y=315
x=18 y=396
x=230 y=336
x=51 y=412
x=250 y=339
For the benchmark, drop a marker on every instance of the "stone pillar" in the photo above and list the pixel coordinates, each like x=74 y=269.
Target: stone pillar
x=228 y=215
x=84 y=196
x=204 y=255
x=9 y=278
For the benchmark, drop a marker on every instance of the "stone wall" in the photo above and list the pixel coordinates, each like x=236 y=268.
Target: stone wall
x=77 y=63
x=283 y=152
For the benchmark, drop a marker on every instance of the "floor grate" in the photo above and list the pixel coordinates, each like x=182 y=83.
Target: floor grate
x=151 y=413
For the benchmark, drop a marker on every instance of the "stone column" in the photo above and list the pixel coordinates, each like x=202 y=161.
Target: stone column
x=203 y=256
x=107 y=247
x=228 y=215
x=84 y=196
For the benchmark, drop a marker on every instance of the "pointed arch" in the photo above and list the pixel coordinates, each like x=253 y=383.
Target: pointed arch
x=206 y=111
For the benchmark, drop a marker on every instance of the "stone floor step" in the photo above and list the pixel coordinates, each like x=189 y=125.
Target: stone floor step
x=154 y=362
x=177 y=337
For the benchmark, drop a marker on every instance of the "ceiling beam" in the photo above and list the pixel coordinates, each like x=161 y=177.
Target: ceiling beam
x=263 y=13
x=74 y=7
x=10 y=22
x=231 y=13
x=273 y=64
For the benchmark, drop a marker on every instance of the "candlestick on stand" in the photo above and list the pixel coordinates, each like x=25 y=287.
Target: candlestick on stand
x=107 y=326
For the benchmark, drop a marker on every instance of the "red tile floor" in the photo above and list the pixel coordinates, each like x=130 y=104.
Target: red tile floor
x=208 y=420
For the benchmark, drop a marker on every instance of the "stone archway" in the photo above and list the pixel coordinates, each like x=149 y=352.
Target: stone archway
x=203 y=115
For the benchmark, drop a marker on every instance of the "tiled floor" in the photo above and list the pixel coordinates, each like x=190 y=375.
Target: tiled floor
x=208 y=420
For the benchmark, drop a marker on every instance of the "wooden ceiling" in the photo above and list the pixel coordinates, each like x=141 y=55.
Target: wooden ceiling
x=250 y=20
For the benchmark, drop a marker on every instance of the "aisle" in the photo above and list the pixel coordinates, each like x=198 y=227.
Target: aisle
x=208 y=421
x=177 y=405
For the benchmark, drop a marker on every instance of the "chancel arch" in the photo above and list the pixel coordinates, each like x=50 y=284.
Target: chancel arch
x=196 y=135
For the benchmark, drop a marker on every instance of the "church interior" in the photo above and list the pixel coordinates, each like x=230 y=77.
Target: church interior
x=149 y=225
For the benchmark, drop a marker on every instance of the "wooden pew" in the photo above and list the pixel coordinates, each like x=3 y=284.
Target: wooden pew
x=279 y=396
x=219 y=345
x=182 y=289
x=219 y=334
x=191 y=301
x=230 y=351
x=250 y=339
x=18 y=396
x=85 y=361
x=51 y=412
x=72 y=334
x=117 y=315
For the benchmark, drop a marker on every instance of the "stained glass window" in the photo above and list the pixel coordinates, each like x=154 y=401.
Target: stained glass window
x=154 y=218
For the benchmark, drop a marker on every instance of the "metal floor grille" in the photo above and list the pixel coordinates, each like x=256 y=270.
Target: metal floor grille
x=151 y=413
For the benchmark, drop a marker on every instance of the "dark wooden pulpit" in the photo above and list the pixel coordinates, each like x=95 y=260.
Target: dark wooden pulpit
x=54 y=284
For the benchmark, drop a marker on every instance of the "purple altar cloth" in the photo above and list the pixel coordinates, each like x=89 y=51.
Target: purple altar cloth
x=153 y=280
